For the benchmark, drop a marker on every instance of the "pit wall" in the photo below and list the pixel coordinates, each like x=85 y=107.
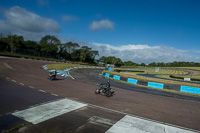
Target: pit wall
x=180 y=88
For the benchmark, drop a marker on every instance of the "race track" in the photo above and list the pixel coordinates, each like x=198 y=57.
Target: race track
x=27 y=77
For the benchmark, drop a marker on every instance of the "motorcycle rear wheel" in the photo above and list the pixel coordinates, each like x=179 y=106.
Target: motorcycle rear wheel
x=97 y=91
x=52 y=77
x=108 y=93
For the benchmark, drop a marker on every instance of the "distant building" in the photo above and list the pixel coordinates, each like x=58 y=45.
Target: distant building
x=101 y=63
x=109 y=67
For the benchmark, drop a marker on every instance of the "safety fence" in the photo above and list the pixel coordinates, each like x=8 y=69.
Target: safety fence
x=180 y=88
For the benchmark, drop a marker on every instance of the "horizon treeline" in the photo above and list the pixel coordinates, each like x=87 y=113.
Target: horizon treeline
x=51 y=46
x=48 y=46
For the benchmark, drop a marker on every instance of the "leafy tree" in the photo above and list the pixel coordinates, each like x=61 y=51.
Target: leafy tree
x=85 y=54
x=49 y=44
x=112 y=60
x=15 y=42
x=70 y=47
x=129 y=63
x=94 y=54
x=31 y=45
x=143 y=64
x=4 y=45
x=118 y=62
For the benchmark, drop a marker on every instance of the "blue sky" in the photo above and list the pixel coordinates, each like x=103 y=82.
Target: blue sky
x=136 y=30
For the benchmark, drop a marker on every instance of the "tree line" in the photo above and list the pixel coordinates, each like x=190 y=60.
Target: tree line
x=118 y=62
x=49 y=45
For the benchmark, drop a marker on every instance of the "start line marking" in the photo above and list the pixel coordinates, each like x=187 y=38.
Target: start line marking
x=129 y=124
x=47 y=111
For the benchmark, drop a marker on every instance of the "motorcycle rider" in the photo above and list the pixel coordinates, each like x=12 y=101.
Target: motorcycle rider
x=107 y=86
x=52 y=73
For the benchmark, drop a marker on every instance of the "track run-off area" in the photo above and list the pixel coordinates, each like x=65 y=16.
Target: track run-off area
x=29 y=99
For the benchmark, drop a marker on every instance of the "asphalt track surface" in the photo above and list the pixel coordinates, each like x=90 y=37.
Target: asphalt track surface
x=25 y=84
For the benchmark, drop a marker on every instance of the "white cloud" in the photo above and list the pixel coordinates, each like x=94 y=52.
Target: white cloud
x=145 y=53
x=127 y=47
x=103 y=24
x=20 y=21
x=69 y=18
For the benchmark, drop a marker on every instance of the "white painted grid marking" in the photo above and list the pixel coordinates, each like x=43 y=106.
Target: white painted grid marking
x=47 y=111
x=131 y=124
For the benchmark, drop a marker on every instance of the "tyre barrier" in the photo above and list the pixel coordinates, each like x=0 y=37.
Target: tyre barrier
x=180 y=88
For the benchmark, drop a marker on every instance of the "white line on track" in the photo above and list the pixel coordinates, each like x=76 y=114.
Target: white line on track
x=7 y=78
x=42 y=90
x=31 y=87
x=115 y=111
x=21 y=84
x=47 y=111
x=14 y=81
x=54 y=94
x=131 y=124
x=8 y=66
x=70 y=75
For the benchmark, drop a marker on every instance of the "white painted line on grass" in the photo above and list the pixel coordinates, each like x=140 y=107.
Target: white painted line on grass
x=42 y=90
x=21 y=84
x=31 y=87
x=54 y=94
x=131 y=124
x=47 y=111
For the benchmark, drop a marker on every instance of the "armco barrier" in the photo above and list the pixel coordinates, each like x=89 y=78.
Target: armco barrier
x=134 y=81
x=190 y=89
x=172 y=87
x=123 y=78
x=116 y=77
x=145 y=83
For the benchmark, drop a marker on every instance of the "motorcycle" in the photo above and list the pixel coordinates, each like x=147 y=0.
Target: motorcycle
x=52 y=76
x=105 y=90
